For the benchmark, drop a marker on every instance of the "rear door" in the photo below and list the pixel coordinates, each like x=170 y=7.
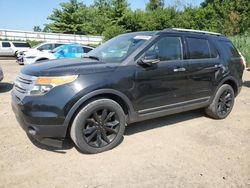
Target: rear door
x=203 y=64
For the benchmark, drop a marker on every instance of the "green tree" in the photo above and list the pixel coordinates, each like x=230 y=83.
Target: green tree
x=154 y=5
x=233 y=15
x=113 y=30
x=37 y=28
x=73 y=17
x=118 y=10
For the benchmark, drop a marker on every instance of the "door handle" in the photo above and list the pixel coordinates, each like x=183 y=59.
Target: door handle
x=181 y=69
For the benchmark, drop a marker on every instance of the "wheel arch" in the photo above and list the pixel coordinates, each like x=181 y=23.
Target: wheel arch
x=115 y=95
x=232 y=82
x=227 y=80
x=42 y=59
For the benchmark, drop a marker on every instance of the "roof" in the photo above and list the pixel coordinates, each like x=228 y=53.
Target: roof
x=192 y=31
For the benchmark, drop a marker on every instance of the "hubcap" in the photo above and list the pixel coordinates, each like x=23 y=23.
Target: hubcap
x=101 y=128
x=225 y=102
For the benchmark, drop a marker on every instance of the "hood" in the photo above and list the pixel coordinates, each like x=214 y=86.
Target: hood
x=62 y=67
x=33 y=52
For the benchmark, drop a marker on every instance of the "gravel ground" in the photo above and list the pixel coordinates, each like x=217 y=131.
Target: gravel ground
x=183 y=150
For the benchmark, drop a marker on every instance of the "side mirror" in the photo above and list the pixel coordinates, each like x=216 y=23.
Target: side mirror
x=148 y=62
x=149 y=59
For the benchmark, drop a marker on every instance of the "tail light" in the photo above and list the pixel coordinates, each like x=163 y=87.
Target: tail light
x=242 y=62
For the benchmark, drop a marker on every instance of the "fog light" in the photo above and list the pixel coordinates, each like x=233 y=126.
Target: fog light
x=32 y=131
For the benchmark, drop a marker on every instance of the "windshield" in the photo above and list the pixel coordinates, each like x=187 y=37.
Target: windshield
x=57 y=49
x=40 y=44
x=119 y=48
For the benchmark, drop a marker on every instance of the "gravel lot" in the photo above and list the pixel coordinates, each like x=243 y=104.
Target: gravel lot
x=184 y=150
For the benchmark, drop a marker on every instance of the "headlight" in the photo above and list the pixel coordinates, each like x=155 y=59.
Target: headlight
x=45 y=84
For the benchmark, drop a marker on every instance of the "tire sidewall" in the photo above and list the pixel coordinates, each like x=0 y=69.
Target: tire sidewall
x=217 y=97
x=83 y=114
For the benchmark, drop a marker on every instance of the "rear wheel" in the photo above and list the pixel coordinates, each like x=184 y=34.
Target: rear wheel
x=99 y=126
x=222 y=103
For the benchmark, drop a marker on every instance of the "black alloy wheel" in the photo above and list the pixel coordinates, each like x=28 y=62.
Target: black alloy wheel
x=98 y=126
x=225 y=102
x=222 y=103
x=101 y=127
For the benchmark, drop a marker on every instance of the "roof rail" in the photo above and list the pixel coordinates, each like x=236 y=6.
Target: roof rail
x=194 y=31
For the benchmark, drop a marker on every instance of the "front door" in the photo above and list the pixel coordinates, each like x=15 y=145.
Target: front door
x=161 y=85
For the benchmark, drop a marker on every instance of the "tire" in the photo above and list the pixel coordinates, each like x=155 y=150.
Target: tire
x=15 y=54
x=99 y=126
x=222 y=103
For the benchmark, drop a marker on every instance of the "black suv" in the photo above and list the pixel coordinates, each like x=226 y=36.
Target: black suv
x=130 y=78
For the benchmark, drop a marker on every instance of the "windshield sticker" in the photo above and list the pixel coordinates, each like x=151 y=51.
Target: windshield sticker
x=143 y=37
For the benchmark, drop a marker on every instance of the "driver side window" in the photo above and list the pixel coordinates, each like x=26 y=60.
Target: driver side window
x=166 y=49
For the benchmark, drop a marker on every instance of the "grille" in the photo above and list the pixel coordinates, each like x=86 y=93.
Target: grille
x=23 y=84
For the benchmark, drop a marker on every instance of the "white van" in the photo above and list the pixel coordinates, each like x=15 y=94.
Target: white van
x=11 y=48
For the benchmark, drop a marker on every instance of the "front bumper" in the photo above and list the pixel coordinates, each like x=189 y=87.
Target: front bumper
x=52 y=135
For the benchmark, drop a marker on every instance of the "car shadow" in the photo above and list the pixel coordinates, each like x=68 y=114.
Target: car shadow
x=67 y=145
x=162 y=121
x=130 y=129
x=5 y=87
x=246 y=83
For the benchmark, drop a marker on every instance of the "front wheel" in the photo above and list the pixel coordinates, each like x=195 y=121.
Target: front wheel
x=99 y=126
x=222 y=104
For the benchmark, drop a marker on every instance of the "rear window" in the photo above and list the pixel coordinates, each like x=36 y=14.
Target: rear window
x=21 y=45
x=57 y=45
x=5 y=44
x=200 y=49
x=86 y=50
x=229 y=49
x=45 y=47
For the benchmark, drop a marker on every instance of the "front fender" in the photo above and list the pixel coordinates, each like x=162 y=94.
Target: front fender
x=90 y=95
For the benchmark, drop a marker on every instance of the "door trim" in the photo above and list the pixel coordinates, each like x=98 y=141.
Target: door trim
x=175 y=105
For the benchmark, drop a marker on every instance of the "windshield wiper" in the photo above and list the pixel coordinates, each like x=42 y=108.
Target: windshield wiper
x=92 y=57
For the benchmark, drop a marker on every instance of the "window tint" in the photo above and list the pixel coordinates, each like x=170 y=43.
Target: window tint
x=45 y=47
x=21 y=45
x=75 y=49
x=56 y=45
x=198 y=48
x=5 y=44
x=79 y=50
x=214 y=52
x=166 y=49
x=86 y=50
x=229 y=49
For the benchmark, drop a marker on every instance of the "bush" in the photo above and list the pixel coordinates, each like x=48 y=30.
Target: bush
x=242 y=43
x=33 y=42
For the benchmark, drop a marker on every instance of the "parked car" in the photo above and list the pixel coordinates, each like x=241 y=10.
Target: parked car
x=11 y=48
x=1 y=74
x=130 y=78
x=42 y=47
x=61 y=52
